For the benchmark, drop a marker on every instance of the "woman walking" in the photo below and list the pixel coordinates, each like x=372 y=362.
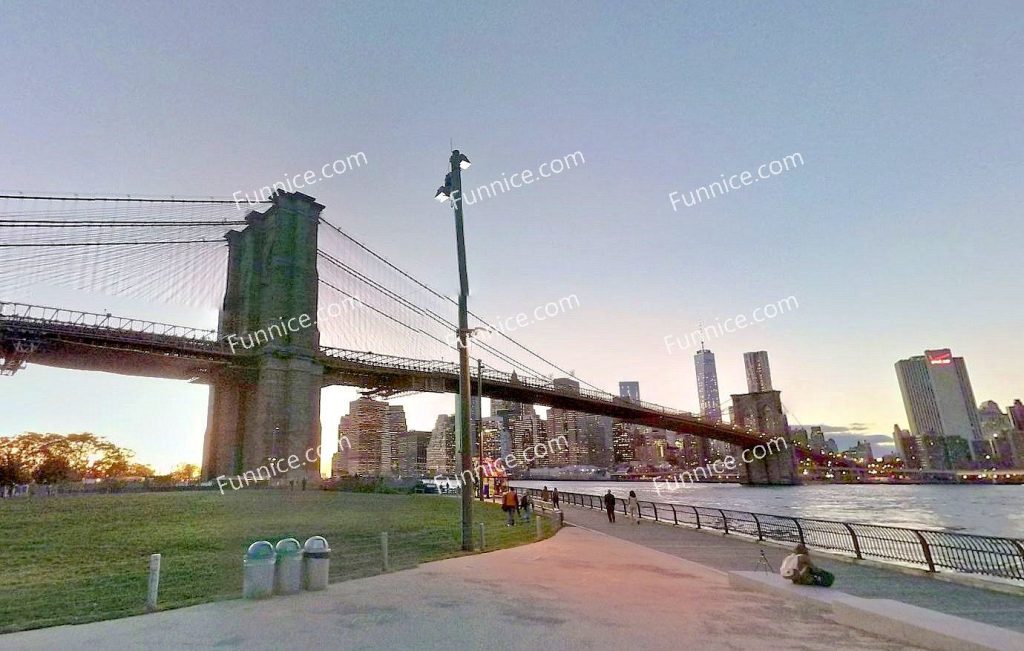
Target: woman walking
x=633 y=506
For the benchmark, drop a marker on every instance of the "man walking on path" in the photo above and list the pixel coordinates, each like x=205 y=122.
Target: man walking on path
x=510 y=504
x=545 y=495
x=554 y=498
x=609 y=505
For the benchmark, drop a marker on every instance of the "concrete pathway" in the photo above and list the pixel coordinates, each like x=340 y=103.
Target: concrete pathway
x=577 y=590
x=731 y=553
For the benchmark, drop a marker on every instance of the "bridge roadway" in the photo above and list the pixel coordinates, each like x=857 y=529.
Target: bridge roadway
x=731 y=554
x=103 y=342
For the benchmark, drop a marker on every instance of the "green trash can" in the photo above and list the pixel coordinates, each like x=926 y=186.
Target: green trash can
x=258 y=570
x=288 y=571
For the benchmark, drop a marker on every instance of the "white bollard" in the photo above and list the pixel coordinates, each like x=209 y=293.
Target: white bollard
x=154 y=582
x=384 y=550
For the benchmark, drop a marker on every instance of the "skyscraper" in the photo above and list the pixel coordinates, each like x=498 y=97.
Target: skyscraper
x=441 y=448
x=759 y=375
x=707 y=385
x=939 y=400
x=364 y=426
x=394 y=429
x=630 y=391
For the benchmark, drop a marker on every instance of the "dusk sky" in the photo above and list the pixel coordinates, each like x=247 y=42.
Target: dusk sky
x=900 y=232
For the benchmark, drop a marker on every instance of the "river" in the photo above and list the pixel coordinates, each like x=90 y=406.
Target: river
x=985 y=510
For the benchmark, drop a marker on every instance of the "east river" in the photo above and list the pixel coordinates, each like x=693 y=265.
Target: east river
x=986 y=510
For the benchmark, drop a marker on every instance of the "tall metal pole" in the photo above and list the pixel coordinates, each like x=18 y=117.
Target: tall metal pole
x=480 y=421
x=465 y=449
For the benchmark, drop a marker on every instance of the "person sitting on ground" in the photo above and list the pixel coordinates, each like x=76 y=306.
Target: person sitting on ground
x=798 y=568
x=510 y=504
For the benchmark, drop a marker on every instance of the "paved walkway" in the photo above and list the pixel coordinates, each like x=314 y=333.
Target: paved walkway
x=577 y=590
x=728 y=553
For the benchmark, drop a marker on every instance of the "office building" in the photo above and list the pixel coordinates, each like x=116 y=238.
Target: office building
x=759 y=375
x=707 y=385
x=412 y=453
x=364 y=427
x=630 y=391
x=393 y=431
x=939 y=402
x=441 y=448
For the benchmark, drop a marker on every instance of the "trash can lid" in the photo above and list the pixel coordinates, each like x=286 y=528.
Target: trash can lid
x=316 y=544
x=260 y=550
x=288 y=547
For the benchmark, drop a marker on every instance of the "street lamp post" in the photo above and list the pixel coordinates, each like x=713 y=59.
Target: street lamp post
x=453 y=189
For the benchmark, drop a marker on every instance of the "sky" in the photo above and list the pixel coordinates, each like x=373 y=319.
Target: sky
x=900 y=231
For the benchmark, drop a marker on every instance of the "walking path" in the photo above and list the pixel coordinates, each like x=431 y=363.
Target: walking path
x=577 y=590
x=730 y=553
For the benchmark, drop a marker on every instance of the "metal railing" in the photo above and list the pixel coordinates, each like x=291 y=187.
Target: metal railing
x=933 y=550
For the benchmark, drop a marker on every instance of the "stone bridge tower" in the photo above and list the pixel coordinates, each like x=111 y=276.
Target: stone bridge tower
x=266 y=406
x=763 y=412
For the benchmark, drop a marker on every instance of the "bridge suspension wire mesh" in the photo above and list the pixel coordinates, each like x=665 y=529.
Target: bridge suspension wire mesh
x=419 y=321
x=384 y=309
x=166 y=250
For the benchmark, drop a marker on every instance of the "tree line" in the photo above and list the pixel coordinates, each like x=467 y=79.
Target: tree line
x=60 y=458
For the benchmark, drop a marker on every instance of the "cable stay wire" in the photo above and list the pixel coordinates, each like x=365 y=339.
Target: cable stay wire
x=450 y=300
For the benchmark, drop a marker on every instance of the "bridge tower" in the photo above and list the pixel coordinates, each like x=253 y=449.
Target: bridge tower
x=267 y=406
x=763 y=412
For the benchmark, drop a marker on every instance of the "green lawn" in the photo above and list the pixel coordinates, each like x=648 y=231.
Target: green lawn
x=74 y=559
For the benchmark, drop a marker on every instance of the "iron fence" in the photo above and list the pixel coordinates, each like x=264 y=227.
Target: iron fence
x=933 y=550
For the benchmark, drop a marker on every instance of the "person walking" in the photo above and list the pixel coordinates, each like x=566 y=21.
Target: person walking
x=545 y=495
x=633 y=506
x=526 y=504
x=609 y=505
x=510 y=504
x=554 y=498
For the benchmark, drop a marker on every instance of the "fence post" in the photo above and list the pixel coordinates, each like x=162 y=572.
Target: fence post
x=853 y=537
x=760 y=535
x=675 y=518
x=481 y=536
x=384 y=550
x=799 y=530
x=154 y=582
x=539 y=525
x=696 y=514
x=725 y=521
x=927 y=551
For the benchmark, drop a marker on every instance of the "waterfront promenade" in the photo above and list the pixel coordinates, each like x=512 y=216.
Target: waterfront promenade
x=577 y=590
x=731 y=553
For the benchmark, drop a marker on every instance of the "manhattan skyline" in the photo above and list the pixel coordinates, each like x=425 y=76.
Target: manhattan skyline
x=896 y=233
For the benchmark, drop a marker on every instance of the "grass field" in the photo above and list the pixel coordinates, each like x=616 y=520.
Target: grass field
x=75 y=559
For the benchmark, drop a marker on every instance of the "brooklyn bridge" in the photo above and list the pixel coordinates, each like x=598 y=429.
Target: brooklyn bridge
x=274 y=270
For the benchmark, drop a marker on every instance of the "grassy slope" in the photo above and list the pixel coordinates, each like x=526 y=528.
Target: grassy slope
x=83 y=558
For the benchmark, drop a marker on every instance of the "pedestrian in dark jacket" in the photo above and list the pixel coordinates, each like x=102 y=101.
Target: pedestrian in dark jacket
x=554 y=498
x=609 y=505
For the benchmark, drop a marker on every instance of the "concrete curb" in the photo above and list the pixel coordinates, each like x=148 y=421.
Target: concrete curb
x=894 y=620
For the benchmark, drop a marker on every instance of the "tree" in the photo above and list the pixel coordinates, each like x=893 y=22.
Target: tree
x=53 y=470
x=78 y=455
x=13 y=468
x=185 y=472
